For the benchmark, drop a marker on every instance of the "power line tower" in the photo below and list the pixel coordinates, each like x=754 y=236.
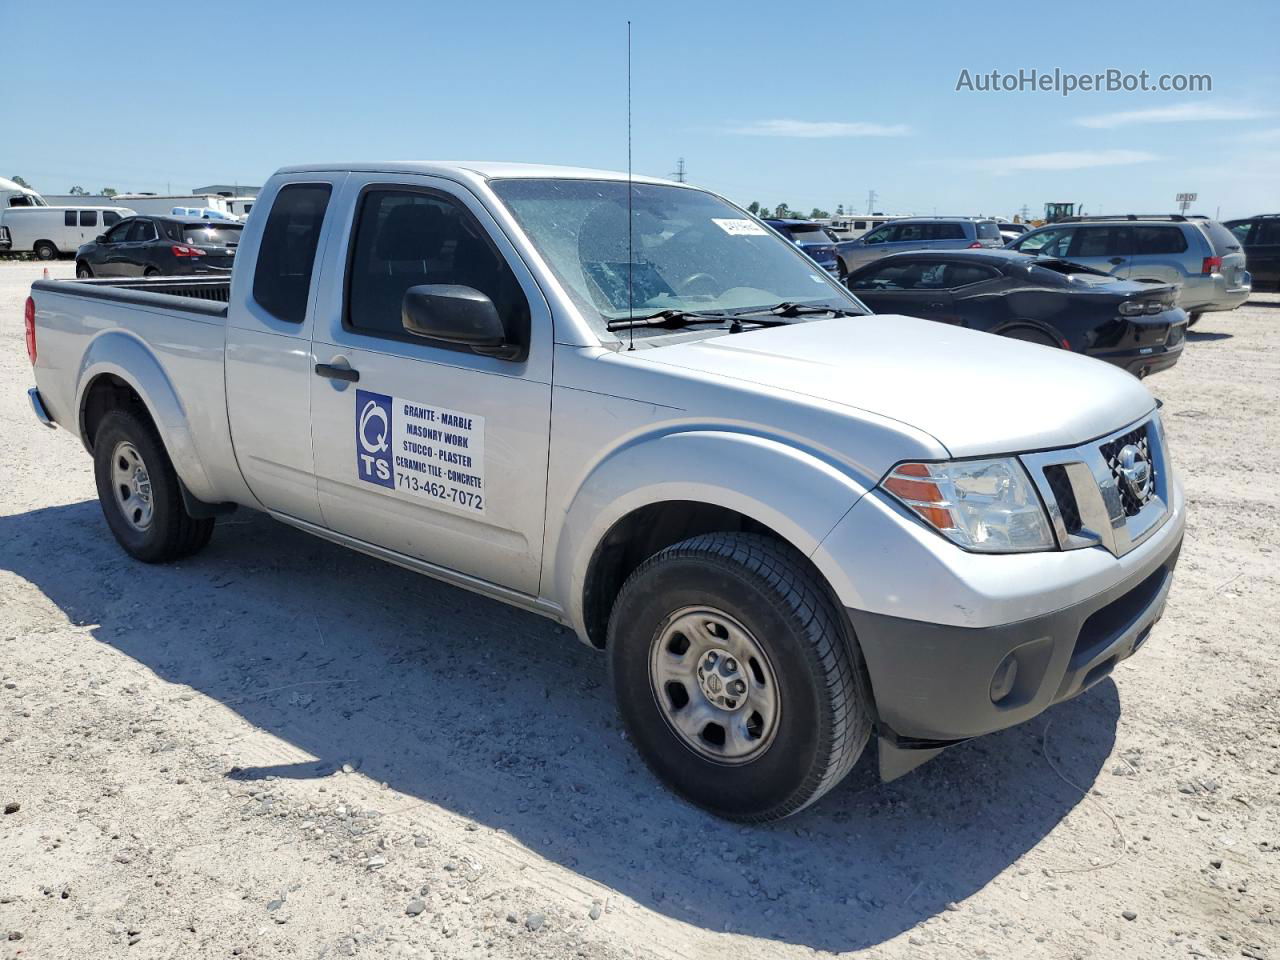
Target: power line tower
x=1025 y=211
x=871 y=201
x=678 y=175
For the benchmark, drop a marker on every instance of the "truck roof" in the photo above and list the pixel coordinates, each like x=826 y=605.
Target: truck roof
x=485 y=170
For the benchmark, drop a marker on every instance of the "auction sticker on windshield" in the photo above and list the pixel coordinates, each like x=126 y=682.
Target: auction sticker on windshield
x=420 y=450
x=740 y=228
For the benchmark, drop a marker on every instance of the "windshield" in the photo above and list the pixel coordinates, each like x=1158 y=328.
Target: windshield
x=691 y=251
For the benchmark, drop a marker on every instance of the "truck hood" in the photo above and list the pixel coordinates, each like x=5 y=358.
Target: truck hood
x=975 y=393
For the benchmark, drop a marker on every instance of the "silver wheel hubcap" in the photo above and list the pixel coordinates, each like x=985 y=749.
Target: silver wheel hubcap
x=132 y=486
x=714 y=684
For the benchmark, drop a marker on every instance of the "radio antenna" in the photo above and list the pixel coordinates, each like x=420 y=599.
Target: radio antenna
x=631 y=260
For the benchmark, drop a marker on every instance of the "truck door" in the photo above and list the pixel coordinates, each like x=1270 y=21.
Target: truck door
x=422 y=448
x=268 y=355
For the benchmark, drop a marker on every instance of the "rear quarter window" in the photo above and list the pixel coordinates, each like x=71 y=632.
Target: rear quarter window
x=1158 y=240
x=286 y=257
x=988 y=230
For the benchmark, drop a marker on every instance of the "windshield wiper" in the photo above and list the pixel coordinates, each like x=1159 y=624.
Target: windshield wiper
x=668 y=318
x=789 y=308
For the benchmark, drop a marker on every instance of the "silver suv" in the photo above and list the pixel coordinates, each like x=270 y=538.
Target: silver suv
x=1201 y=255
x=918 y=233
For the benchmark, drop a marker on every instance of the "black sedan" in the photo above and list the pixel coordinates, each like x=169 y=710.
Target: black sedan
x=1133 y=324
x=161 y=247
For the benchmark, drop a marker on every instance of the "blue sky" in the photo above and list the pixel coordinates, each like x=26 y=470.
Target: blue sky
x=808 y=104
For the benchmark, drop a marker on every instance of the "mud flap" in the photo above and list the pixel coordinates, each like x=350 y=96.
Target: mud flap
x=897 y=761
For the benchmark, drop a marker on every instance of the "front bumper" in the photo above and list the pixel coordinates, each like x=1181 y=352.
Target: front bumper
x=936 y=684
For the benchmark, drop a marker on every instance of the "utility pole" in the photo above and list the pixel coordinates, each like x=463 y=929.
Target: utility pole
x=678 y=176
x=871 y=202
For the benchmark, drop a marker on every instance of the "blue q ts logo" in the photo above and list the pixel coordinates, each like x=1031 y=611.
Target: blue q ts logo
x=373 y=438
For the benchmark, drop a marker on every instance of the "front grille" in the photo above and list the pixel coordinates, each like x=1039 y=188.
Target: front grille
x=1111 y=454
x=1064 y=496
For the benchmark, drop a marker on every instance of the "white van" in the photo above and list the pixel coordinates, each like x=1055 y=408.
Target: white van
x=50 y=232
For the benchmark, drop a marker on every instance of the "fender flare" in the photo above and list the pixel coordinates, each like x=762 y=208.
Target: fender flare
x=1041 y=326
x=123 y=355
x=793 y=492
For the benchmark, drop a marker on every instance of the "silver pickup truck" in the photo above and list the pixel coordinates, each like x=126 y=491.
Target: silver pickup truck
x=630 y=407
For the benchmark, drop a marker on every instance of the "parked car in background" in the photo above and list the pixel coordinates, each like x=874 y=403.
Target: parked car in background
x=1260 y=238
x=1201 y=255
x=1011 y=231
x=160 y=247
x=918 y=233
x=812 y=238
x=1137 y=326
x=52 y=232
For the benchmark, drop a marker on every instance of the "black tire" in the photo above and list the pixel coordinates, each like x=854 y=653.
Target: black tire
x=44 y=250
x=1031 y=335
x=823 y=718
x=84 y=271
x=151 y=272
x=171 y=532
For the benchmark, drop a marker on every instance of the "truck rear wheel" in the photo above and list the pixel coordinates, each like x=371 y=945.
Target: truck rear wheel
x=735 y=677
x=139 y=492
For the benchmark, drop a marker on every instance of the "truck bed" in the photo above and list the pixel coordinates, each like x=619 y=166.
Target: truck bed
x=203 y=295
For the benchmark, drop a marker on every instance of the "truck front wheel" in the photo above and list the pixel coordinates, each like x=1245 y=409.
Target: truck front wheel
x=735 y=677
x=139 y=492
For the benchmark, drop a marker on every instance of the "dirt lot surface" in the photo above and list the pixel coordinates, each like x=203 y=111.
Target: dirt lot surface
x=283 y=749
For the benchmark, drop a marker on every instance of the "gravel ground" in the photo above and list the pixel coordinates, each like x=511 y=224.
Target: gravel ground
x=283 y=749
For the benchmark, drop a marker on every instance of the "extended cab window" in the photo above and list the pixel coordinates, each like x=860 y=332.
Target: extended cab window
x=282 y=275
x=405 y=238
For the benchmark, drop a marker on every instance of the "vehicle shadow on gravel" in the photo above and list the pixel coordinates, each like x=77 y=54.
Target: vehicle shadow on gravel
x=503 y=717
x=1205 y=336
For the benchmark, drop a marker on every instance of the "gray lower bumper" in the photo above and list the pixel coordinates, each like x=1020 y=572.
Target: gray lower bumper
x=935 y=685
x=37 y=407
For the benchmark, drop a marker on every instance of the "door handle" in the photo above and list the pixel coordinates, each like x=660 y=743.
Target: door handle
x=338 y=373
x=1116 y=261
x=936 y=306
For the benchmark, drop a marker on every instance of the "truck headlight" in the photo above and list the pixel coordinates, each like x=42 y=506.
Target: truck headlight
x=989 y=506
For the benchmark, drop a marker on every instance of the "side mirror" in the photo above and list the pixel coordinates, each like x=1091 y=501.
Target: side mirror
x=100 y=238
x=456 y=314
